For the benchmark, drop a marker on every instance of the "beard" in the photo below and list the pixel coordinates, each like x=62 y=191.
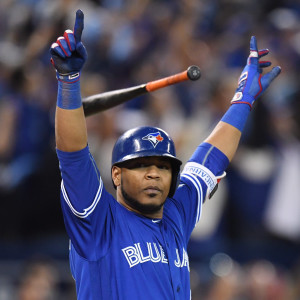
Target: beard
x=142 y=208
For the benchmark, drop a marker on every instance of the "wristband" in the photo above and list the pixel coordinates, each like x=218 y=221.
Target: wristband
x=237 y=115
x=68 y=95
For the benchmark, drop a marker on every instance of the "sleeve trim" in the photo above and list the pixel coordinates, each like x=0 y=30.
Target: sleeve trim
x=86 y=211
x=193 y=179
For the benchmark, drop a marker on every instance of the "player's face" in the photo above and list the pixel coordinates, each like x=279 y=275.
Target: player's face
x=143 y=184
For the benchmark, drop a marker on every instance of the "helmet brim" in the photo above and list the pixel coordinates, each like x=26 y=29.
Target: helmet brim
x=173 y=159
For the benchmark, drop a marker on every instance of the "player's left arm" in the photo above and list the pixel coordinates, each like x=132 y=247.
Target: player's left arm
x=208 y=163
x=211 y=158
x=252 y=83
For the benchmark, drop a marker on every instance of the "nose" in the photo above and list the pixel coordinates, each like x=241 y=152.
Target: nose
x=152 y=172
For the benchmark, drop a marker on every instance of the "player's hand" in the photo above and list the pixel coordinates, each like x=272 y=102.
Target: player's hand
x=68 y=54
x=251 y=82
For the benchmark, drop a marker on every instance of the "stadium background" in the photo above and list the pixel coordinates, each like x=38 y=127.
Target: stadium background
x=247 y=244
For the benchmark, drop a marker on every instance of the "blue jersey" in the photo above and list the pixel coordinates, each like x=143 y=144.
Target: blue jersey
x=119 y=254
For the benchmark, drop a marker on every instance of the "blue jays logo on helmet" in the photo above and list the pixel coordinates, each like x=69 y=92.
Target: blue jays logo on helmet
x=154 y=138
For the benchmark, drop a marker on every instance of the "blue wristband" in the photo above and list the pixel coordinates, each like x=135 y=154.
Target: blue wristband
x=237 y=115
x=68 y=95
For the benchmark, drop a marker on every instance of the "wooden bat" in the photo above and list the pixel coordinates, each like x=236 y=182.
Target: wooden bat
x=103 y=101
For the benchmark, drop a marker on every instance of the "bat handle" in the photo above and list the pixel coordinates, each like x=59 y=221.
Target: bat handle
x=160 y=83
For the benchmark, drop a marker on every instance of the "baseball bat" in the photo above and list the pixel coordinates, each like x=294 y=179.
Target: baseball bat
x=104 y=101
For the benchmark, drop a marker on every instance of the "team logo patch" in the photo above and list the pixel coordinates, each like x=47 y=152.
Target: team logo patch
x=153 y=138
x=237 y=96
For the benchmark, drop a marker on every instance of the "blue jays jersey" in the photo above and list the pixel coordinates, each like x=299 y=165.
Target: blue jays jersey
x=119 y=254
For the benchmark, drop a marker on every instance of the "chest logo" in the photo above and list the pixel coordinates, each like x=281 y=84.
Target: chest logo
x=139 y=254
x=153 y=138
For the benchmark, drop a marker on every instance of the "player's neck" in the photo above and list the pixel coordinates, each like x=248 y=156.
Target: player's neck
x=131 y=204
x=154 y=215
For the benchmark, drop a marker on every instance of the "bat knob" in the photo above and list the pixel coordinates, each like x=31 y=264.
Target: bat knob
x=193 y=73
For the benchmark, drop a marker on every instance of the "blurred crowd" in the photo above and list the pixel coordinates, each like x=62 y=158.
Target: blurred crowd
x=247 y=244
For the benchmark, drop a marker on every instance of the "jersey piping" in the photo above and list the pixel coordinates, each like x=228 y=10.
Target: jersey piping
x=87 y=211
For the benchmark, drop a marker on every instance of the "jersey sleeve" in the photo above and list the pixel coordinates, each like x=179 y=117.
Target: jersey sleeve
x=198 y=182
x=87 y=207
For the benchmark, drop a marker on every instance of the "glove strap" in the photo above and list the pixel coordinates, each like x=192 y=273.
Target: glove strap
x=240 y=98
x=68 y=94
x=68 y=78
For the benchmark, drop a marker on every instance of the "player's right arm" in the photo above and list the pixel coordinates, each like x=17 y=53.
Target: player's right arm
x=68 y=56
x=82 y=190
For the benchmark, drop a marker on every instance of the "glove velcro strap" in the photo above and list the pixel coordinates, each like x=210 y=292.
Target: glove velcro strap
x=68 y=78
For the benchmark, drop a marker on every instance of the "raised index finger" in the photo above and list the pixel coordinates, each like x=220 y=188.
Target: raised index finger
x=79 y=24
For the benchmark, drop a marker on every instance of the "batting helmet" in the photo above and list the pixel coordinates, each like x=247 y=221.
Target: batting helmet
x=144 y=142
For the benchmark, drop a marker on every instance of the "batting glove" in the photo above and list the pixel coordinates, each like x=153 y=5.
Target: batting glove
x=68 y=54
x=251 y=82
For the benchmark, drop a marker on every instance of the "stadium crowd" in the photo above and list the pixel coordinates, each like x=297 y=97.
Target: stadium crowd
x=247 y=244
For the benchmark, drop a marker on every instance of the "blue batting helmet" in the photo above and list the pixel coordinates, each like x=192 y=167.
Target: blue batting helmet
x=144 y=142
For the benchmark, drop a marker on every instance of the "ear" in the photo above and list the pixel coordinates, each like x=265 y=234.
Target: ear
x=116 y=175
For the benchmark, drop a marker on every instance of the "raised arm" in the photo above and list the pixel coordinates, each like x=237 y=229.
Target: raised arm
x=214 y=154
x=252 y=83
x=68 y=56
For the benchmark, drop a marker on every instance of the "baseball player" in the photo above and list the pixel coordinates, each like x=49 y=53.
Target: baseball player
x=134 y=246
